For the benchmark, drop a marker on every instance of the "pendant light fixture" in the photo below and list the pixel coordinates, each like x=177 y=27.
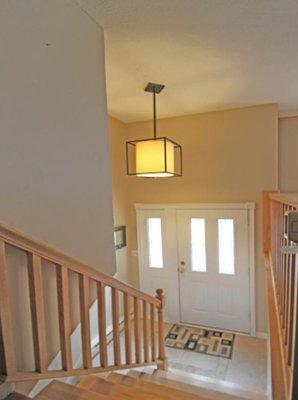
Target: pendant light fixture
x=157 y=157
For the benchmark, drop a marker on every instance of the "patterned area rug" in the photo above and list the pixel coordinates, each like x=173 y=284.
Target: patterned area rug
x=204 y=341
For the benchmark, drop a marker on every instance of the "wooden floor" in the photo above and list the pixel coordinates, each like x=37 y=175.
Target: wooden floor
x=119 y=386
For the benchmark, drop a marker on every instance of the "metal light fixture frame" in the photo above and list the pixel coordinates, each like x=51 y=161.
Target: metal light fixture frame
x=155 y=88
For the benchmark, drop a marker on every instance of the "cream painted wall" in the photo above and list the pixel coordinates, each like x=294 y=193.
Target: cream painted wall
x=288 y=154
x=120 y=183
x=229 y=156
x=54 y=164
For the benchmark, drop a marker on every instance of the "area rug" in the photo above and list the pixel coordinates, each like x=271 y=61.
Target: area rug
x=204 y=341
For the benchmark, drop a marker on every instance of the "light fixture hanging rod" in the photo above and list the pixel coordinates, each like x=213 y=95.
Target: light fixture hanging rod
x=154 y=88
x=154 y=115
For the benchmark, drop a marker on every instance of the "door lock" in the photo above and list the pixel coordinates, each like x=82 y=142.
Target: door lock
x=182 y=267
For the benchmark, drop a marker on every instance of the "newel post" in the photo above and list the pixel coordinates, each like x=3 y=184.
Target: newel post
x=161 y=360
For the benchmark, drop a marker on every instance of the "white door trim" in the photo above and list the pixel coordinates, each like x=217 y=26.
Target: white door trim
x=250 y=207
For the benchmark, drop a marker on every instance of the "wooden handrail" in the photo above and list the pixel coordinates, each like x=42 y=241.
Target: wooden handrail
x=32 y=245
x=152 y=307
x=282 y=287
x=289 y=199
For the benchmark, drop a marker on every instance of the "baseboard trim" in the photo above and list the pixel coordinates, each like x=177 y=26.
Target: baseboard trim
x=262 y=335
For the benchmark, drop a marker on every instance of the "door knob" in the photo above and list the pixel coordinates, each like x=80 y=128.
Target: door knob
x=182 y=267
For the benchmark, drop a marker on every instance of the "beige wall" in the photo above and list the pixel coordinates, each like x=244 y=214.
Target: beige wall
x=229 y=156
x=120 y=184
x=54 y=164
x=288 y=154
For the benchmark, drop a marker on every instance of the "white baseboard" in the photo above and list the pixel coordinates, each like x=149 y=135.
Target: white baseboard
x=262 y=335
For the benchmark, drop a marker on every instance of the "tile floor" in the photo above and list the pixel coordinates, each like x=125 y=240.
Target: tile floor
x=247 y=368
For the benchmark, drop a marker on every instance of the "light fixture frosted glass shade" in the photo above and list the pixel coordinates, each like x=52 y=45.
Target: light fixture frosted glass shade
x=154 y=158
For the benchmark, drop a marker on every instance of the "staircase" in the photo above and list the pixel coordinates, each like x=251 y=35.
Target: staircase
x=142 y=331
x=133 y=385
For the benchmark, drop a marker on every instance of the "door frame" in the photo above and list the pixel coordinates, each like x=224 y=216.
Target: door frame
x=171 y=231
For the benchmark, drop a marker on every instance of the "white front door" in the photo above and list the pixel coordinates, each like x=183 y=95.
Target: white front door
x=213 y=268
x=201 y=257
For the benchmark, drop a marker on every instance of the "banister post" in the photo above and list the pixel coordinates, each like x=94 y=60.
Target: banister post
x=266 y=210
x=161 y=360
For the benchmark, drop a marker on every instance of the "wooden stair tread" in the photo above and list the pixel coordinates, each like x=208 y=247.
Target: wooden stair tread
x=100 y=385
x=90 y=382
x=158 y=378
x=127 y=387
x=62 y=391
x=153 y=387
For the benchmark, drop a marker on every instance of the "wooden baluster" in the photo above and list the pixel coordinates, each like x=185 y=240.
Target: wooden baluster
x=64 y=316
x=273 y=241
x=271 y=230
x=280 y=258
x=8 y=366
x=116 y=330
x=285 y=272
x=274 y=233
x=161 y=362
x=294 y=362
x=145 y=331
x=279 y=243
x=37 y=311
x=287 y=285
x=85 y=322
x=152 y=330
x=291 y=308
x=102 y=324
x=127 y=327
x=137 y=329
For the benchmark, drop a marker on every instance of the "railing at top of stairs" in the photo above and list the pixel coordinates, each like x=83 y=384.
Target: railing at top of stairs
x=282 y=287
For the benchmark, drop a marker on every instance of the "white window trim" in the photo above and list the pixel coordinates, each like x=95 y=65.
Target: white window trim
x=250 y=207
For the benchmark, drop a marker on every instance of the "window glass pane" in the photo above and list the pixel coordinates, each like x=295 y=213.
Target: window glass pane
x=155 y=243
x=226 y=257
x=198 y=246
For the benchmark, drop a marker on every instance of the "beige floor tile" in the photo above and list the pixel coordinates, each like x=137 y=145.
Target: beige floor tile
x=248 y=366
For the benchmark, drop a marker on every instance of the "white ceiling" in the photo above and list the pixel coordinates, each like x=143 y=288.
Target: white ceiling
x=210 y=54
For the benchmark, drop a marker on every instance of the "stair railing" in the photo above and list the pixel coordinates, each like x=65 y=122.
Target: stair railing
x=143 y=316
x=282 y=288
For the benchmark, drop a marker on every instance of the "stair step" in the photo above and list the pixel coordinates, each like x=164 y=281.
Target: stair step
x=108 y=389
x=100 y=385
x=62 y=391
x=152 y=387
x=125 y=387
x=158 y=377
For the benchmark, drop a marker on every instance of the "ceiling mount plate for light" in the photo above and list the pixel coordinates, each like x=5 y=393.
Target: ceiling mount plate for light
x=154 y=87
